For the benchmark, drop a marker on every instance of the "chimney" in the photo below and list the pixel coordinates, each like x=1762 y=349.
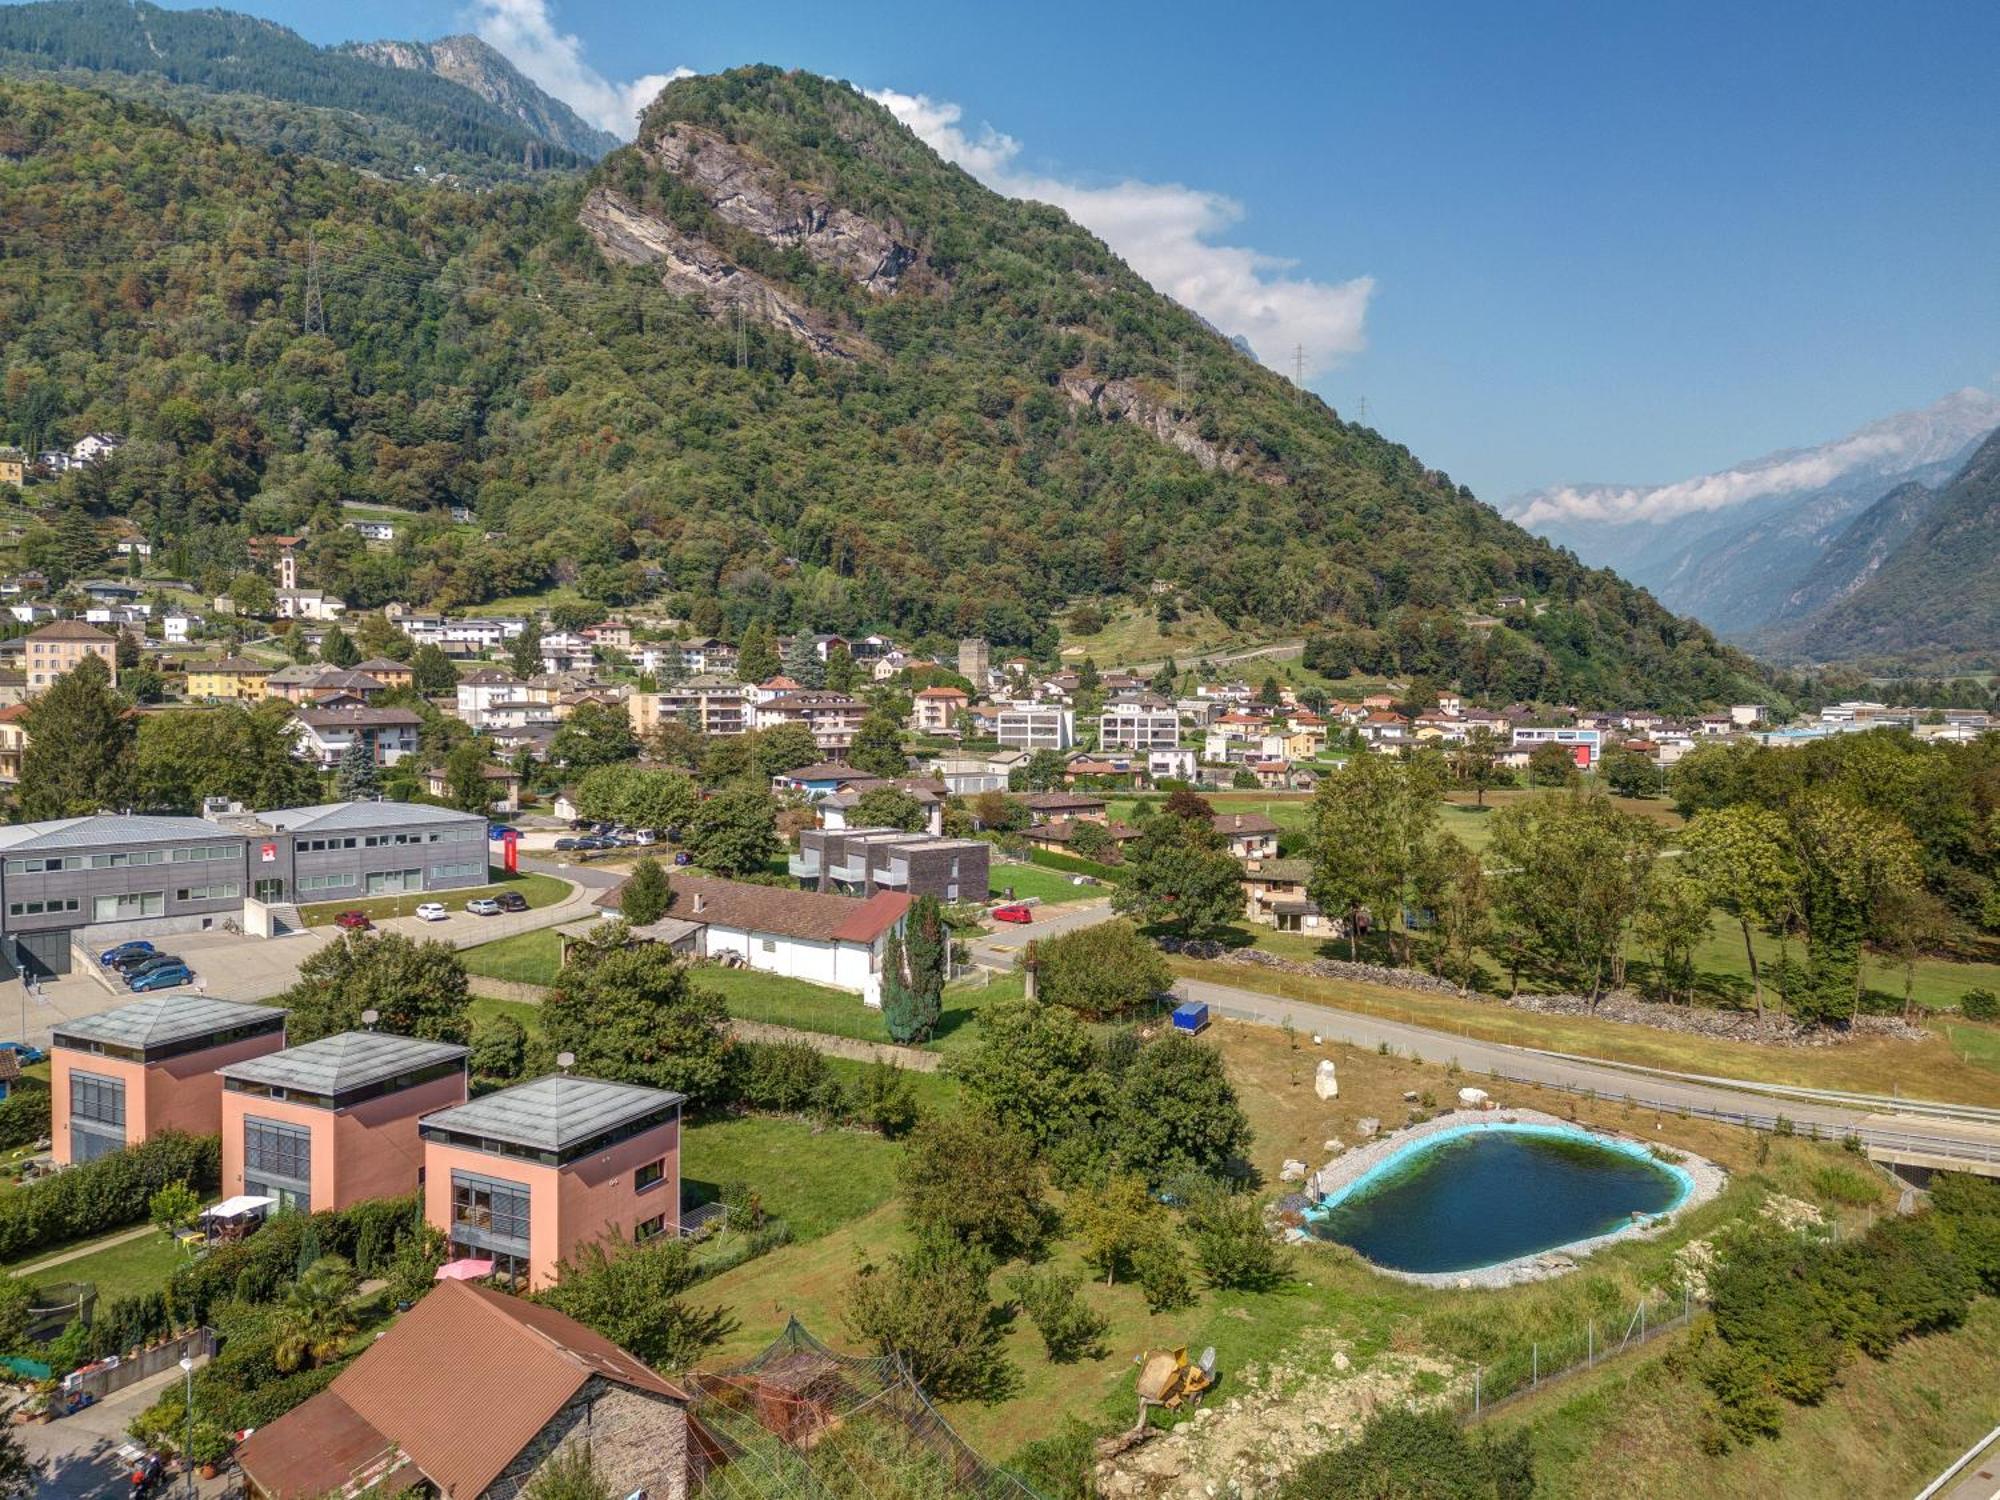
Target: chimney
x=697 y=903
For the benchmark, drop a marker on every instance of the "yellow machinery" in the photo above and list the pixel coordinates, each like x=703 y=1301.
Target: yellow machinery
x=1167 y=1379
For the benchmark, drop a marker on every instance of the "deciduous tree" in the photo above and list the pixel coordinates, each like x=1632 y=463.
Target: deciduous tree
x=79 y=754
x=416 y=988
x=632 y=1012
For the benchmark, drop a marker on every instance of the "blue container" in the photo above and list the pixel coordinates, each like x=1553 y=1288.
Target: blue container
x=1191 y=1017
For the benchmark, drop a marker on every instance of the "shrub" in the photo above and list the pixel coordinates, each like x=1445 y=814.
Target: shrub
x=930 y=1307
x=1844 y=1185
x=1162 y=1269
x=1231 y=1244
x=1069 y=1327
x=1104 y=970
x=105 y=1194
x=886 y=1099
x=786 y=1078
x=968 y=1177
x=1979 y=1005
x=1407 y=1453
x=24 y=1114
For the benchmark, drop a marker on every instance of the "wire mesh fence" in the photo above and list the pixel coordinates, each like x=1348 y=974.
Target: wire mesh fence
x=1528 y=1367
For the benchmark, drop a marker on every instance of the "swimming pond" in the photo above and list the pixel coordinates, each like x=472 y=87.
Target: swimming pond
x=1479 y=1195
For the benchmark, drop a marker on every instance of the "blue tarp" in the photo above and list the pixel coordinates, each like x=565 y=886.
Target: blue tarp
x=1192 y=1015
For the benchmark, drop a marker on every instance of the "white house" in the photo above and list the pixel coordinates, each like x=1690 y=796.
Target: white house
x=1035 y=726
x=375 y=531
x=323 y=735
x=1140 y=724
x=93 y=446
x=310 y=604
x=176 y=628
x=480 y=690
x=836 y=941
x=1584 y=745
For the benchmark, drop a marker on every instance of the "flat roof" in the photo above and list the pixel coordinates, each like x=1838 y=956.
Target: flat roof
x=161 y=1019
x=337 y=1064
x=328 y=817
x=551 y=1113
x=108 y=828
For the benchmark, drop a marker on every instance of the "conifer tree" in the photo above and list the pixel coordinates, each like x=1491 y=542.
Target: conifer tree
x=756 y=661
x=802 y=663
x=357 y=780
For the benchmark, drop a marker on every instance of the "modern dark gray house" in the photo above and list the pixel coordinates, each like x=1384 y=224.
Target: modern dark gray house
x=99 y=880
x=862 y=861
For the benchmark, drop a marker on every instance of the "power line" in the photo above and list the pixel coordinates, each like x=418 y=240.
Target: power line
x=315 y=316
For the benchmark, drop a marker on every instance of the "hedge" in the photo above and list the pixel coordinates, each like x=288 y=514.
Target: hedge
x=1110 y=874
x=106 y=1194
x=259 y=1268
x=24 y=1114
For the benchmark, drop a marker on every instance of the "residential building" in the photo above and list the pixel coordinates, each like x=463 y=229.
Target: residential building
x=1035 y=726
x=337 y=851
x=1247 y=835
x=54 y=649
x=13 y=467
x=315 y=682
x=474 y=1393
x=324 y=735
x=938 y=708
x=93 y=447
x=613 y=635
x=1274 y=895
x=711 y=703
x=480 y=689
x=310 y=604
x=1584 y=744
x=375 y=531
x=1174 y=765
x=1139 y=725
x=838 y=808
x=969 y=775
x=1106 y=840
x=832 y=717
x=334 y=1122
x=1748 y=715
x=503 y=786
x=820 y=780
x=13 y=742
x=1047 y=806
x=392 y=674
x=527 y=1176
x=862 y=861
x=121 y=1076
x=835 y=941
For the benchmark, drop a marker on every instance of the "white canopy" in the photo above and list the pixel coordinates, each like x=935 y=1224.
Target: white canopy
x=235 y=1208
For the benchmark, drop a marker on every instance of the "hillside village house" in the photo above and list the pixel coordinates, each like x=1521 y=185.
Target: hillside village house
x=13 y=742
x=832 y=717
x=835 y=941
x=54 y=649
x=862 y=861
x=1139 y=725
x=310 y=604
x=480 y=689
x=13 y=467
x=1081 y=806
x=121 y=1076
x=1585 y=745
x=1035 y=726
x=324 y=734
x=938 y=708
x=1247 y=835
x=527 y=1176
x=1274 y=895
x=474 y=1393
x=503 y=784
x=334 y=1122
x=713 y=704
x=392 y=674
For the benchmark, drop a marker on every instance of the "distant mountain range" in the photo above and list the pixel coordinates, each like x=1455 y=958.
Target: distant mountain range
x=1777 y=538
x=453 y=106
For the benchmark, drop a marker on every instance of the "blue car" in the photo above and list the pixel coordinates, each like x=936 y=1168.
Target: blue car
x=501 y=831
x=111 y=956
x=23 y=1052
x=166 y=977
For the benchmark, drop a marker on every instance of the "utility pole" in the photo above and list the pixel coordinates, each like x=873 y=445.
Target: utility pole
x=1299 y=372
x=1361 y=411
x=315 y=318
x=742 y=335
x=1181 y=378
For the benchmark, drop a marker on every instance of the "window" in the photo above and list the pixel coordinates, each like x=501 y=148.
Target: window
x=39 y=908
x=650 y=1174
x=457 y=871
x=128 y=857
x=389 y=882
x=222 y=891
x=325 y=882
x=645 y=1229
x=129 y=905
x=276 y=1153
x=769 y=945
x=489 y=1212
x=96 y=1116
x=48 y=866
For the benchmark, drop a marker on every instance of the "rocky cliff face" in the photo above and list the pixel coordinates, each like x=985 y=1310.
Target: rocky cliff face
x=1125 y=401
x=472 y=64
x=690 y=267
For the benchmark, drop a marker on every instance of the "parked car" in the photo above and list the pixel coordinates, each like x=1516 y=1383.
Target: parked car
x=594 y=841
x=126 y=963
x=565 y=845
x=512 y=901
x=23 y=1053
x=353 y=921
x=166 y=977
x=683 y=858
x=501 y=831
x=145 y=963
x=646 y=836
x=111 y=956
x=1014 y=913
x=432 y=911
x=485 y=906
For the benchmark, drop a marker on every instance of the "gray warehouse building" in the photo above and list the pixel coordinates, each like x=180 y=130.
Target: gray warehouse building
x=99 y=880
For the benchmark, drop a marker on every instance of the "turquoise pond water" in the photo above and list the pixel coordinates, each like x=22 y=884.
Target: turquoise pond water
x=1464 y=1199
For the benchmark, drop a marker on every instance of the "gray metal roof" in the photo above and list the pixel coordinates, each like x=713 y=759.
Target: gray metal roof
x=330 y=817
x=161 y=1019
x=337 y=1064
x=109 y=829
x=551 y=1113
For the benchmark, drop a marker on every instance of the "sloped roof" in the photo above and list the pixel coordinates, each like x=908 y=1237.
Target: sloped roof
x=554 y=1112
x=338 y=1064
x=462 y=1383
x=162 y=1018
x=111 y=829
x=348 y=817
x=1233 y=823
x=358 y=718
x=810 y=915
x=70 y=630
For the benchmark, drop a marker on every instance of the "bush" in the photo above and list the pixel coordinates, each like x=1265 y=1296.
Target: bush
x=258 y=1269
x=931 y=1308
x=1404 y=1454
x=105 y=1194
x=1098 y=971
x=787 y=1078
x=1070 y=1329
x=886 y=1099
x=1979 y=1005
x=24 y=1114
x=1231 y=1244
x=1161 y=1268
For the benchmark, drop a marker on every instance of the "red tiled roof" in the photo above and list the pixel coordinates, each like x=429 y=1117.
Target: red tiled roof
x=811 y=915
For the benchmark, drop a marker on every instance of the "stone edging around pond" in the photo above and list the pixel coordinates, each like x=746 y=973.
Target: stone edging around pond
x=1705 y=1180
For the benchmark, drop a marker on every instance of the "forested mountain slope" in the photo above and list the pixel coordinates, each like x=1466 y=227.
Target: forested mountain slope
x=938 y=411
x=1934 y=601
x=471 y=63
x=213 y=64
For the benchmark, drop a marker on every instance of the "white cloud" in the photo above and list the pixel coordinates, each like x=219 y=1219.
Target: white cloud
x=1168 y=233
x=527 y=34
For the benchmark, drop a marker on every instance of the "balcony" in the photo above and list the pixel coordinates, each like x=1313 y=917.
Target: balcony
x=803 y=865
x=851 y=870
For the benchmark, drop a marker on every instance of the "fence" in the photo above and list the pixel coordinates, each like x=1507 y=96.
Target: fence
x=101 y=1380
x=1521 y=1371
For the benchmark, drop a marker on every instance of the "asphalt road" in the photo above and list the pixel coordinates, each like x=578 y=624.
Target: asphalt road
x=999 y=948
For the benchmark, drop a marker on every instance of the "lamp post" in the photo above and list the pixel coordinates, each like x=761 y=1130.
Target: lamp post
x=187 y=1453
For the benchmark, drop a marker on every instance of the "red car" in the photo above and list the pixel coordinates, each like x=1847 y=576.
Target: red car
x=353 y=921
x=1014 y=913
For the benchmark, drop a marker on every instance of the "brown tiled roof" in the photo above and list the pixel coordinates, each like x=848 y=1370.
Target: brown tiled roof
x=319 y=1448
x=363 y=718
x=1047 y=802
x=462 y=1383
x=69 y=630
x=830 y=770
x=240 y=665
x=1063 y=831
x=780 y=911
x=1233 y=823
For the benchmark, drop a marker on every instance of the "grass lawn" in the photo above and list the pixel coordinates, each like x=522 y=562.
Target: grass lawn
x=525 y=958
x=1131 y=635
x=1051 y=887
x=139 y=1265
x=816 y=1180
x=540 y=890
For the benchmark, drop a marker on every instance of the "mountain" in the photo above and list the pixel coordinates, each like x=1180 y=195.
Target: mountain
x=215 y=66
x=1933 y=603
x=1857 y=552
x=472 y=64
x=775 y=361
x=1732 y=546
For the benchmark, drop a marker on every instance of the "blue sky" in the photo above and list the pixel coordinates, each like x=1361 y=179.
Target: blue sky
x=1549 y=243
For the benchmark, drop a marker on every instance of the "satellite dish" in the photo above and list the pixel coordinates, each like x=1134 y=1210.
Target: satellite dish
x=370 y=1017
x=565 y=1060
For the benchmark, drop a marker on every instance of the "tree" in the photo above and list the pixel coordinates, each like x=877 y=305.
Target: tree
x=315 y=1319
x=889 y=807
x=634 y=1296
x=1407 y=1454
x=1070 y=1329
x=1035 y=1069
x=1000 y=812
x=1270 y=694
x=632 y=1013
x=802 y=662
x=1476 y=761
x=1232 y=1245
x=1104 y=970
x=756 y=661
x=878 y=747
x=645 y=896
x=595 y=734
x=1671 y=921
x=783 y=747
x=913 y=973
x=1572 y=866
x=1855 y=865
x=173 y=1208
x=842 y=673
x=244 y=753
x=432 y=673
x=1742 y=856
x=1551 y=765
x=297 y=645
x=1176 y=1112
x=1179 y=875
x=931 y=1308
x=1369 y=826
x=499 y=1048
x=356 y=778
x=337 y=649
x=1628 y=773
x=637 y=797
x=1044 y=772
x=253 y=595
x=967 y=1176
x=735 y=832
x=525 y=651
x=1111 y=1222
x=465 y=777
x=417 y=988
x=78 y=758
x=1449 y=882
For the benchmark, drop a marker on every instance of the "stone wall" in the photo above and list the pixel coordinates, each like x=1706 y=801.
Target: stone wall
x=639 y=1441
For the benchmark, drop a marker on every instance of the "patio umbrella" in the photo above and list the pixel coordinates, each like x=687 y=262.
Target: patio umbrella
x=463 y=1270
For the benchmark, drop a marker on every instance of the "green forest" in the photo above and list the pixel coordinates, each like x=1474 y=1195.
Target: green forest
x=478 y=350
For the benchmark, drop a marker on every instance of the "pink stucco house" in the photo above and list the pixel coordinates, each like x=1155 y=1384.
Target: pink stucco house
x=123 y=1075
x=528 y=1175
x=328 y=1124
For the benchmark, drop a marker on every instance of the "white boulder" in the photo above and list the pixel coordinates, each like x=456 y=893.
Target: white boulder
x=1474 y=1099
x=1326 y=1083
x=1292 y=1171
